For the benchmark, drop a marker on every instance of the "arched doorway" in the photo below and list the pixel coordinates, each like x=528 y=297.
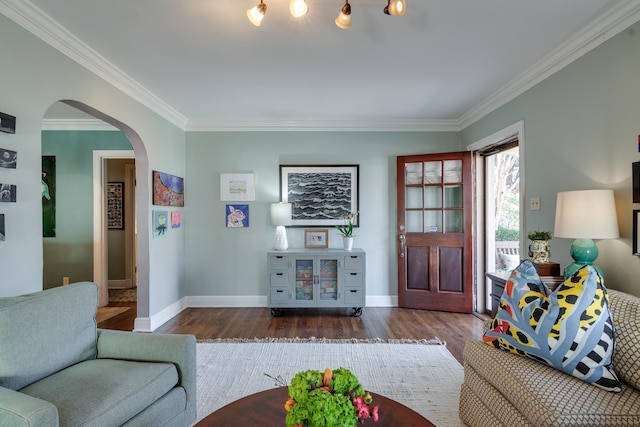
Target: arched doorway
x=142 y=192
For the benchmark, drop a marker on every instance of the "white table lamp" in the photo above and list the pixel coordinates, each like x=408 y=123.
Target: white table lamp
x=281 y=216
x=583 y=216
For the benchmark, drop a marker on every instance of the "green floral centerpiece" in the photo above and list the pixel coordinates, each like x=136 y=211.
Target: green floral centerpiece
x=333 y=398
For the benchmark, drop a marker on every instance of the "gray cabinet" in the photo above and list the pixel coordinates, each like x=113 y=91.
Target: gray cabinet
x=299 y=278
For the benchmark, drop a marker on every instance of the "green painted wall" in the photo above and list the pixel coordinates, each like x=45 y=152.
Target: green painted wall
x=70 y=253
x=227 y=262
x=581 y=129
x=41 y=76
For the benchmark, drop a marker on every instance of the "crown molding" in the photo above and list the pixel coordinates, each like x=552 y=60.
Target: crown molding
x=34 y=20
x=77 y=125
x=610 y=23
x=607 y=25
x=324 y=126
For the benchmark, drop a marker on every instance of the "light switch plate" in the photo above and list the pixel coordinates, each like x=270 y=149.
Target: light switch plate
x=534 y=203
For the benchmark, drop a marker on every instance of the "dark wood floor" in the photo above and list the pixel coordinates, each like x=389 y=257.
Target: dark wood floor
x=375 y=322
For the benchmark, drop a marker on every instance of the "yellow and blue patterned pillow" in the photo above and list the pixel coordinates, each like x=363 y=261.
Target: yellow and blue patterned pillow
x=570 y=329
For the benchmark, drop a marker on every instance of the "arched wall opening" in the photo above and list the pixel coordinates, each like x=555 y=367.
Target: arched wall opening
x=142 y=196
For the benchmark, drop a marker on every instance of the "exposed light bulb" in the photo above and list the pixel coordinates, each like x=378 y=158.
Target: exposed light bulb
x=298 y=8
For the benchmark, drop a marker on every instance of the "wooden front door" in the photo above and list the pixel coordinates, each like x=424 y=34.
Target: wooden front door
x=434 y=232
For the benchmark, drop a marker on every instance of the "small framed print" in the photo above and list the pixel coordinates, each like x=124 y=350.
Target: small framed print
x=237 y=187
x=636 y=181
x=636 y=232
x=316 y=238
x=115 y=205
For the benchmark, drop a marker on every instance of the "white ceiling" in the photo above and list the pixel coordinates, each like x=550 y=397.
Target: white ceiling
x=203 y=66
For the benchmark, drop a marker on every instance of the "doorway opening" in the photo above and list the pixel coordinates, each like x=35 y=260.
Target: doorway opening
x=499 y=200
x=141 y=214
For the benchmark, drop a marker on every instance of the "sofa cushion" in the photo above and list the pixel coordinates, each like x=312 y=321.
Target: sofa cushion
x=104 y=392
x=570 y=330
x=44 y=332
x=544 y=395
x=625 y=309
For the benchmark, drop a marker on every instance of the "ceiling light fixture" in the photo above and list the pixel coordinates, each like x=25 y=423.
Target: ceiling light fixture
x=256 y=14
x=395 y=7
x=344 y=18
x=298 y=8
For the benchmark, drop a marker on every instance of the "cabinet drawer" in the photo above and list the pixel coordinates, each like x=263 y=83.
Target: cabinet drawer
x=279 y=280
x=279 y=296
x=354 y=262
x=279 y=262
x=354 y=297
x=353 y=278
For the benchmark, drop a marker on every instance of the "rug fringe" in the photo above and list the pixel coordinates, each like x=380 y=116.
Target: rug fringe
x=433 y=341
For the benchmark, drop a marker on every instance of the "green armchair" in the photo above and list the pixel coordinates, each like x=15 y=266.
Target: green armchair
x=58 y=369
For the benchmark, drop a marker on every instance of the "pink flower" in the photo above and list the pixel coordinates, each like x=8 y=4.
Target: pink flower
x=363 y=412
x=375 y=414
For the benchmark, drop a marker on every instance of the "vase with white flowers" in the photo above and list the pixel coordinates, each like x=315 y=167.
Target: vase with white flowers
x=346 y=230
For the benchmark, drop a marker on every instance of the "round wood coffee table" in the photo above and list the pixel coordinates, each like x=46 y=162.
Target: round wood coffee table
x=267 y=409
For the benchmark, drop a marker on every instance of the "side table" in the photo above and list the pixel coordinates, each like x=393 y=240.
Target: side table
x=499 y=280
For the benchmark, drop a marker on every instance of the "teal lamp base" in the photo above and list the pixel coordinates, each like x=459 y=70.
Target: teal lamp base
x=584 y=252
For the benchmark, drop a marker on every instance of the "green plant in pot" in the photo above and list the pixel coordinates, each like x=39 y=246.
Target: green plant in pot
x=539 y=248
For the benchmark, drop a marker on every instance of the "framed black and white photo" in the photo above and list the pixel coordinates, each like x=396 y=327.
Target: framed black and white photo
x=320 y=195
x=316 y=238
x=8 y=158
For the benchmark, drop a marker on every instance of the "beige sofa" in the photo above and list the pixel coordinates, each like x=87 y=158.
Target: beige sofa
x=504 y=389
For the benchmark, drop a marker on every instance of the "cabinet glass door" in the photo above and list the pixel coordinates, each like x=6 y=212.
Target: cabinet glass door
x=304 y=280
x=328 y=280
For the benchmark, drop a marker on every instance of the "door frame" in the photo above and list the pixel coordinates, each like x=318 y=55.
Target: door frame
x=496 y=138
x=100 y=248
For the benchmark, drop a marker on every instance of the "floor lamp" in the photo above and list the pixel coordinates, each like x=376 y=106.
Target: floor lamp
x=281 y=216
x=583 y=216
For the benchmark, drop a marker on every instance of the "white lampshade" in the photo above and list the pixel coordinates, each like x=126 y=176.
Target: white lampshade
x=586 y=214
x=280 y=214
x=256 y=14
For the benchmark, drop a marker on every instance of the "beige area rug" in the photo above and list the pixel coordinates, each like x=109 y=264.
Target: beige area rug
x=421 y=375
x=123 y=295
x=105 y=313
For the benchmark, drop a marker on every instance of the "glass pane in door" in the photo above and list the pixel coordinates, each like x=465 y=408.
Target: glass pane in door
x=304 y=279
x=453 y=196
x=328 y=279
x=433 y=172
x=413 y=173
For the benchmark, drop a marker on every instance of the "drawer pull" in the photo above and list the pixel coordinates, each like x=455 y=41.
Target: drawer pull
x=354 y=256
x=279 y=274
x=353 y=291
x=279 y=256
x=279 y=291
x=354 y=274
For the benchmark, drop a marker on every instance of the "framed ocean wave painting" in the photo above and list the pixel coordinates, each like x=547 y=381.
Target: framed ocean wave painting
x=320 y=195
